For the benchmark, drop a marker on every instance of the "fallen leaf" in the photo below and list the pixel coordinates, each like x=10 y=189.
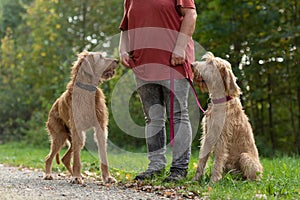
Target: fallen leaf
x=48 y=188
x=127 y=176
x=209 y=189
x=168 y=194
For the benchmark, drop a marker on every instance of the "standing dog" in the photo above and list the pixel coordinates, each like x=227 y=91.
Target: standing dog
x=81 y=107
x=226 y=128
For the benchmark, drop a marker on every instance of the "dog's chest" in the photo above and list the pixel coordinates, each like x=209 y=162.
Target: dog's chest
x=83 y=109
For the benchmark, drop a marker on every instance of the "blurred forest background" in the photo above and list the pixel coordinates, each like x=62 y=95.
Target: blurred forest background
x=40 y=40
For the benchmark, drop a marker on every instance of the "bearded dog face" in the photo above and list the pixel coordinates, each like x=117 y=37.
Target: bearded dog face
x=207 y=75
x=95 y=68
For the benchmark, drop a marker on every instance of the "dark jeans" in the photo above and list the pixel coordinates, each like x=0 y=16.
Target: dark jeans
x=155 y=98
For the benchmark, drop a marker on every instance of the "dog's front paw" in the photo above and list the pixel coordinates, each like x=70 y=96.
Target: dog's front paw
x=196 y=177
x=48 y=177
x=109 y=179
x=215 y=179
x=77 y=180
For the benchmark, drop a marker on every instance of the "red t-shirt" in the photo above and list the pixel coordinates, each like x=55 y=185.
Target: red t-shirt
x=153 y=27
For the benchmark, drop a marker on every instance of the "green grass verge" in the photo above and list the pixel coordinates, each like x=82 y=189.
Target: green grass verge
x=281 y=178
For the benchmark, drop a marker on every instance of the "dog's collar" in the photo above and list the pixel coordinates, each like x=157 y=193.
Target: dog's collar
x=90 y=88
x=221 y=100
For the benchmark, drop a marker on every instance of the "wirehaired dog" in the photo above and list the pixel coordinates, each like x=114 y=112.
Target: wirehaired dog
x=226 y=128
x=81 y=107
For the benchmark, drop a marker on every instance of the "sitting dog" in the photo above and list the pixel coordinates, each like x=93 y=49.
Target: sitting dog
x=81 y=107
x=226 y=128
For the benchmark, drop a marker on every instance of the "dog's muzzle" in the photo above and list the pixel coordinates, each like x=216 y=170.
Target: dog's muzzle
x=115 y=64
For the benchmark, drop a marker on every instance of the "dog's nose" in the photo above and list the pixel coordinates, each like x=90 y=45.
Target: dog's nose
x=193 y=65
x=115 y=63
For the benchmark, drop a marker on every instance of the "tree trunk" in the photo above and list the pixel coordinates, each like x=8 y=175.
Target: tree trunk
x=297 y=42
x=297 y=133
x=262 y=119
x=270 y=112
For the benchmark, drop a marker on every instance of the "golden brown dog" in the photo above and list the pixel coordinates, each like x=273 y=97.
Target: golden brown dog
x=81 y=107
x=226 y=128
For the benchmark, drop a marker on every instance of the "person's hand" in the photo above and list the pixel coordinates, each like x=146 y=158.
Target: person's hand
x=124 y=57
x=178 y=57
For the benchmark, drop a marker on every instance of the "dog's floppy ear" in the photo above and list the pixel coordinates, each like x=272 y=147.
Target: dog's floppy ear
x=97 y=57
x=231 y=87
x=86 y=66
x=208 y=57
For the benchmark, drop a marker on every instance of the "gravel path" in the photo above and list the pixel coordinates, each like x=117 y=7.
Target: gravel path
x=25 y=184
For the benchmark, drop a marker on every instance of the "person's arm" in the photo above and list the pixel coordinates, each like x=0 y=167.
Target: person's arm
x=124 y=48
x=185 y=34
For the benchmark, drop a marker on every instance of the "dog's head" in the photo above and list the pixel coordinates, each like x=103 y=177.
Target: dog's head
x=214 y=74
x=93 y=67
x=198 y=68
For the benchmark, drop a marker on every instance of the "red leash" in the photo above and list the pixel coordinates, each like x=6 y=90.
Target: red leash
x=193 y=89
x=172 y=101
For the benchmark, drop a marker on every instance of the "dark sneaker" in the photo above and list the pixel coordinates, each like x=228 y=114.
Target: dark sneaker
x=176 y=175
x=148 y=174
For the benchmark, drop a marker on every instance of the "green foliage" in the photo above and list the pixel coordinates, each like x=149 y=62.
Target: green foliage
x=37 y=51
x=40 y=40
x=260 y=40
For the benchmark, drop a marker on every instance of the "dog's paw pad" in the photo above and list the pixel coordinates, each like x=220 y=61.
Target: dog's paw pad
x=195 y=178
x=215 y=179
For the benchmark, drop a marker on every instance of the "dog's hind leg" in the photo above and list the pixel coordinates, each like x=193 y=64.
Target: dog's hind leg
x=48 y=161
x=251 y=168
x=56 y=144
x=100 y=138
x=66 y=160
x=58 y=136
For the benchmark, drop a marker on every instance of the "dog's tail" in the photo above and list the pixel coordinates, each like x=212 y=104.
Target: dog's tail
x=57 y=159
x=252 y=169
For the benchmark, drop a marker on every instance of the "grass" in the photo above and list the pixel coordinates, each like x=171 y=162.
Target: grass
x=281 y=179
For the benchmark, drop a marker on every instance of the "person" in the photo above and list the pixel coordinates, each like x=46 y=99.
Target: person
x=156 y=43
